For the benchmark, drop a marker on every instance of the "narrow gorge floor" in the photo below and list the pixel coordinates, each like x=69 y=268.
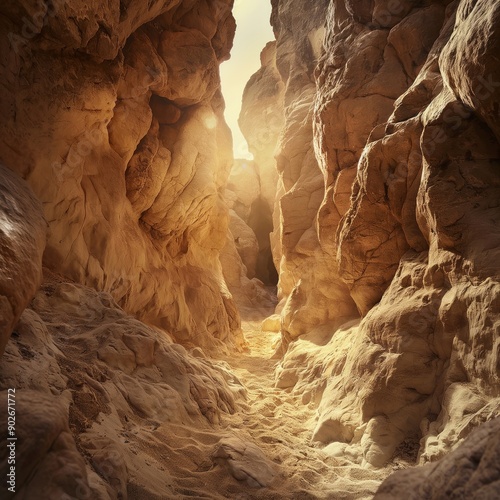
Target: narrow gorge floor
x=273 y=420
x=148 y=421
x=280 y=424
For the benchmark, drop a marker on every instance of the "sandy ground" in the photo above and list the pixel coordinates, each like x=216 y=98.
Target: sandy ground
x=141 y=429
x=280 y=425
x=270 y=418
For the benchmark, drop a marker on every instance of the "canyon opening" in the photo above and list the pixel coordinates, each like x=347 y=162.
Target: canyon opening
x=250 y=249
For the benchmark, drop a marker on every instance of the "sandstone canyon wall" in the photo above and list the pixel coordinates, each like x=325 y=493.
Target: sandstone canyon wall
x=305 y=290
x=113 y=114
x=261 y=120
x=376 y=136
x=251 y=190
x=388 y=211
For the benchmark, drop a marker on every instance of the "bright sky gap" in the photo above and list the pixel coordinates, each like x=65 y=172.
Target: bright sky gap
x=253 y=31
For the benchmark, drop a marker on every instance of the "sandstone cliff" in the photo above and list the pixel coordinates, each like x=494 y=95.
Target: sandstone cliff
x=283 y=92
x=388 y=212
x=113 y=114
x=246 y=256
x=261 y=120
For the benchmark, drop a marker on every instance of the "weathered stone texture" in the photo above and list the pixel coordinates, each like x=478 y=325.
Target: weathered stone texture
x=113 y=114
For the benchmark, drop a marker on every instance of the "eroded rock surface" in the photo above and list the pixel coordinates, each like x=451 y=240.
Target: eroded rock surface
x=383 y=117
x=113 y=114
x=84 y=370
x=245 y=461
x=388 y=196
x=471 y=471
x=247 y=261
x=261 y=120
x=252 y=214
x=281 y=97
x=242 y=191
x=22 y=242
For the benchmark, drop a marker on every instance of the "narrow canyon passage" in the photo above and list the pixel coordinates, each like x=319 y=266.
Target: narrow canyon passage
x=307 y=310
x=265 y=444
x=279 y=424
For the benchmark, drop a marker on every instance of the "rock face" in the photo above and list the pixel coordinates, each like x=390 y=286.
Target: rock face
x=84 y=370
x=477 y=477
x=246 y=254
x=389 y=212
x=279 y=98
x=113 y=115
x=22 y=242
x=245 y=461
x=261 y=120
x=243 y=189
x=383 y=118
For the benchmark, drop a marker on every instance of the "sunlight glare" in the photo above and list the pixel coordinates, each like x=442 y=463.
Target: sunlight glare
x=210 y=121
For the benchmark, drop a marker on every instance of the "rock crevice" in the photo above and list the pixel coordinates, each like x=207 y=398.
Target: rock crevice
x=374 y=193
